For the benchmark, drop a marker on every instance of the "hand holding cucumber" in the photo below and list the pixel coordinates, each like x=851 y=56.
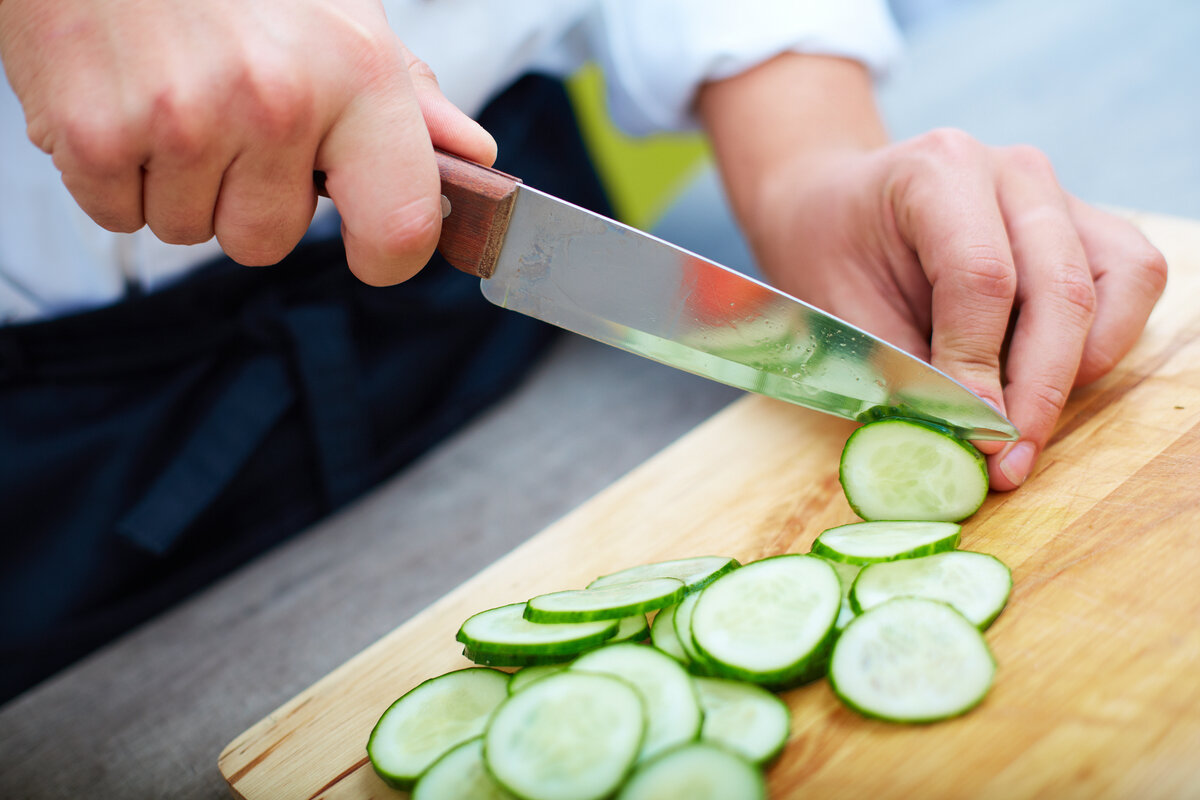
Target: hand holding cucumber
x=971 y=256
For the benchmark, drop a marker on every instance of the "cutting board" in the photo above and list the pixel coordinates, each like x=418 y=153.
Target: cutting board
x=1098 y=688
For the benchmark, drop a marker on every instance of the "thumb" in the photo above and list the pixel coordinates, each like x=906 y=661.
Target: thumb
x=449 y=128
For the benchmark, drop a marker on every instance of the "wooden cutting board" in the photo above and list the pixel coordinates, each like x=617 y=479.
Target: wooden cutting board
x=1098 y=688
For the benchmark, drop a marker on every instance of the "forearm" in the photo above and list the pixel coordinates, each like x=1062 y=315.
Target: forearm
x=790 y=108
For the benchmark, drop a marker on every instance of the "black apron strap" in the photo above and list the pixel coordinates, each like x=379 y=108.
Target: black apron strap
x=326 y=363
x=232 y=431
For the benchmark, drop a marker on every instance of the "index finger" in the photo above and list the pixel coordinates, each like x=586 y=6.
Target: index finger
x=381 y=174
x=1057 y=301
x=952 y=220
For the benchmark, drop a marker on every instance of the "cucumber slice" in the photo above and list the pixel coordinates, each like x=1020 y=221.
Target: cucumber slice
x=696 y=573
x=662 y=634
x=769 y=622
x=631 y=629
x=846 y=574
x=743 y=718
x=504 y=631
x=683 y=629
x=699 y=771
x=570 y=736
x=975 y=584
x=430 y=719
x=511 y=660
x=672 y=708
x=911 y=660
x=871 y=542
x=607 y=602
x=910 y=469
x=527 y=675
x=460 y=775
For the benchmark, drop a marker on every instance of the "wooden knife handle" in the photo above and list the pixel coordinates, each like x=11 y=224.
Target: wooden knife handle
x=481 y=202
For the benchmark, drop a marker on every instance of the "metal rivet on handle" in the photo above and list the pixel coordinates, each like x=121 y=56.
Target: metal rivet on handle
x=445 y=206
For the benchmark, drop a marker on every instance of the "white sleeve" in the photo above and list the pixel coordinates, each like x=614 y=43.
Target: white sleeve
x=657 y=54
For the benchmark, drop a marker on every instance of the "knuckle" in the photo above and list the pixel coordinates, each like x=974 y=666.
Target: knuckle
x=283 y=103
x=181 y=129
x=989 y=273
x=1098 y=360
x=1073 y=284
x=1047 y=399
x=97 y=144
x=1153 y=269
x=377 y=54
x=419 y=69
x=411 y=231
x=948 y=145
x=1029 y=160
x=974 y=357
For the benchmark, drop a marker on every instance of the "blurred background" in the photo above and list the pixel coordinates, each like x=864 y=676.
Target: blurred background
x=1109 y=89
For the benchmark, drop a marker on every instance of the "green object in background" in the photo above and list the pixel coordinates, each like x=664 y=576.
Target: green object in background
x=641 y=174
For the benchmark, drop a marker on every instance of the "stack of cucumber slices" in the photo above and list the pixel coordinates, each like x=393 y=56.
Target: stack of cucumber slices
x=606 y=704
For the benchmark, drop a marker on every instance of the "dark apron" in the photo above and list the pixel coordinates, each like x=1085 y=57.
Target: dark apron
x=149 y=447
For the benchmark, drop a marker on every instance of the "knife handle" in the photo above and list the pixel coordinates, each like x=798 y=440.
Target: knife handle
x=481 y=203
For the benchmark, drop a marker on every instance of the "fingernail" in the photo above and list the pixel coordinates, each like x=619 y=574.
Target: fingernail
x=1018 y=462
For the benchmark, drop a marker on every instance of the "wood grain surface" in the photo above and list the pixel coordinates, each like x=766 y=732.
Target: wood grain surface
x=1098 y=689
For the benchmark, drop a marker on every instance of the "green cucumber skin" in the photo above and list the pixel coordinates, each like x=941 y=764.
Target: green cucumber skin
x=770 y=756
x=820 y=549
x=884 y=718
x=978 y=457
x=666 y=639
x=633 y=761
x=983 y=625
x=731 y=565
x=534 y=614
x=573 y=647
x=511 y=660
x=918 y=720
x=805 y=671
x=406 y=783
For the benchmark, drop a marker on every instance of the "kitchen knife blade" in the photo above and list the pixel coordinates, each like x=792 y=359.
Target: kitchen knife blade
x=570 y=267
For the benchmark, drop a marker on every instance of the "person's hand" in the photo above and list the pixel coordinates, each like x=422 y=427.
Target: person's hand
x=962 y=254
x=972 y=257
x=203 y=119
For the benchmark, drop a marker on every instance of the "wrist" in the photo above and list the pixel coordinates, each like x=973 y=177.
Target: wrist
x=786 y=123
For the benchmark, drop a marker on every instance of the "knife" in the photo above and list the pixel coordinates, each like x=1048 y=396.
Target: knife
x=578 y=270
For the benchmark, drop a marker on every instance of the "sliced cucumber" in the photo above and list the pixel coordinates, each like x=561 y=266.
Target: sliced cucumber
x=570 y=736
x=631 y=629
x=975 y=584
x=910 y=469
x=871 y=542
x=504 y=631
x=769 y=622
x=606 y=602
x=699 y=771
x=662 y=634
x=696 y=573
x=743 y=718
x=527 y=675
x=460 y=775
x=911 y=660
x=432 y=718
x=672 y=708
x=846 y=574
x=511 y=660
x=683 y=629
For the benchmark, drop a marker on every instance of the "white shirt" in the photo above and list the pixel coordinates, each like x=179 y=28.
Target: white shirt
x=655 y=54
